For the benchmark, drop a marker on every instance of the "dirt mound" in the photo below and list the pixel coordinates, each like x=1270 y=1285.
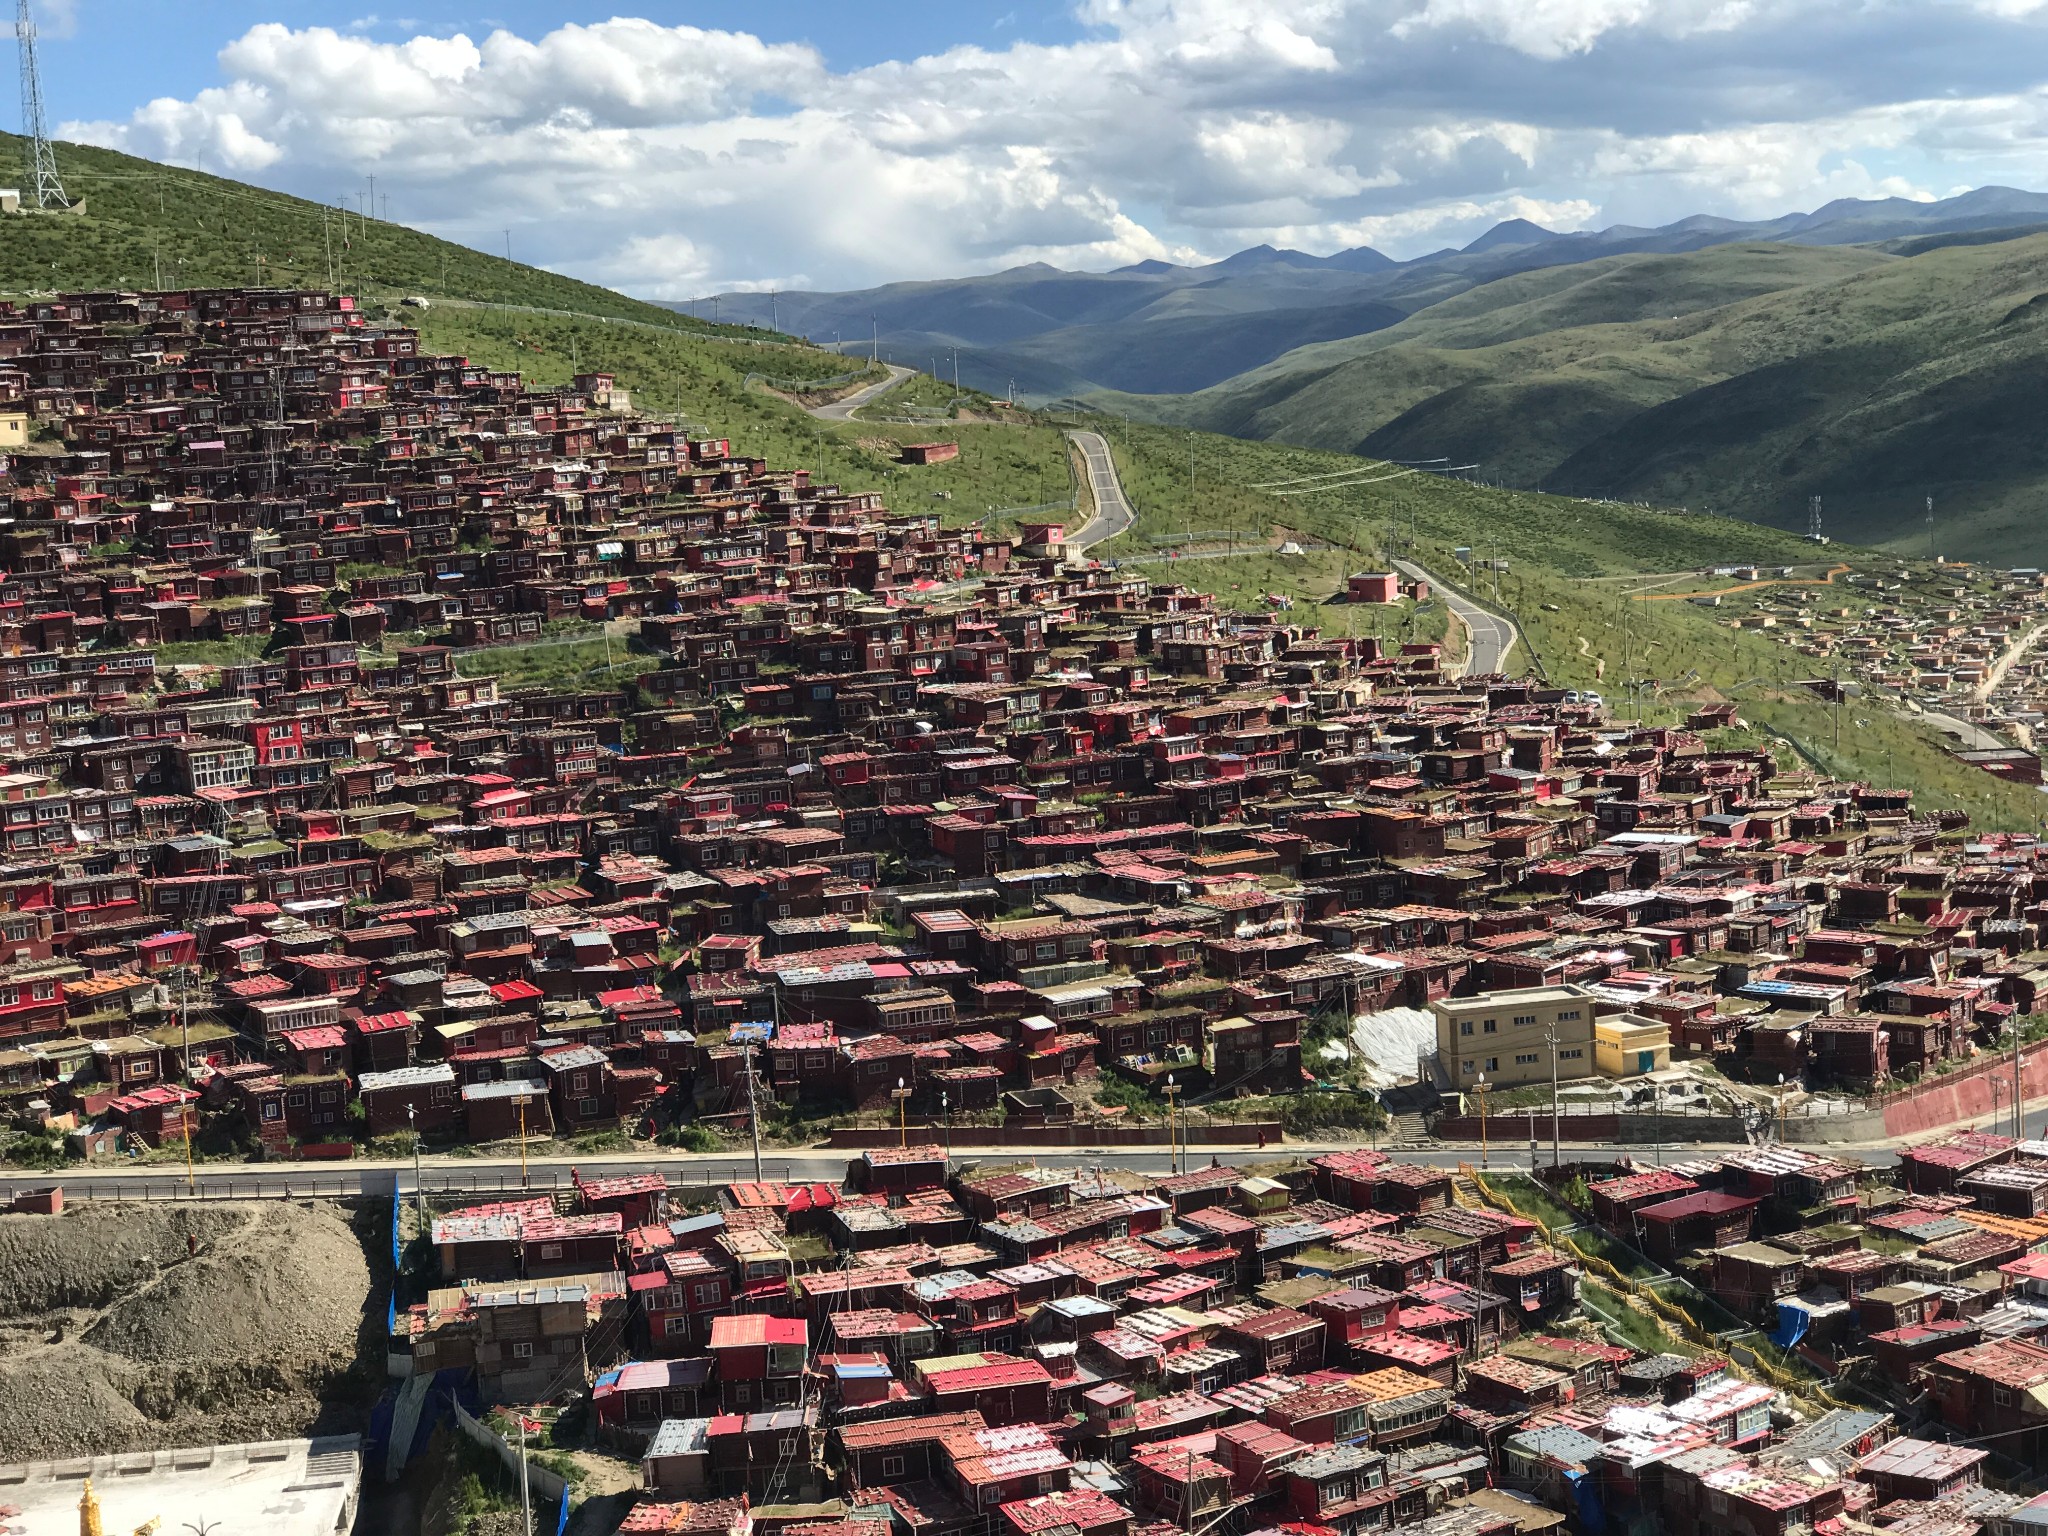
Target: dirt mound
x=115 y=1335
x=287 y=1285
x=95 y=1253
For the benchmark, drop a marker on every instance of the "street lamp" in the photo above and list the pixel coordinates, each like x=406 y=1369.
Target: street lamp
x=1480 y=1089
x=946 y=1115
x=419 y=1193
x=1172 y=1125
x=902 y=1114
x=1781 y=1107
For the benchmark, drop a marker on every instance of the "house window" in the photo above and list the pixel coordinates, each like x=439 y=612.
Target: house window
x=587 y=1108
x=2002 y=1396
x=550 y=1250
x=1465 y=1028
x=992 y=1495
x=522 y=1351
x=893 y=1466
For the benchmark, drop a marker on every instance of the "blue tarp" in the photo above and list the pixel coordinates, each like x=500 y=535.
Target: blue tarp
x=397 y=1243
x=1586 y=1493
x=562 y=1524
x=1793 y=1321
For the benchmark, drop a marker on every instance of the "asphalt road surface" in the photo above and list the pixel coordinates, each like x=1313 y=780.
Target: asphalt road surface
x=1493 y=634
x=1973 y=737
x=486 y=1178
x=1113 y=514
x=842 y=410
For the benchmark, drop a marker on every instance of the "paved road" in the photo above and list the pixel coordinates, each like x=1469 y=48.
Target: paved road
x=1113 y=514
x=842 y=410
x=487 y=1177
x=1493 y=634
x=1974 y=737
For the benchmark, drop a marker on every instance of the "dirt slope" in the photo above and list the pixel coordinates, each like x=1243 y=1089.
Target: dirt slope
x=115 y=1334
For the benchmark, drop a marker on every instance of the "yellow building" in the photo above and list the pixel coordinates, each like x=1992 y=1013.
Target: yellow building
x=1629 y=1045
x=13 y=427
x=1505 y=1036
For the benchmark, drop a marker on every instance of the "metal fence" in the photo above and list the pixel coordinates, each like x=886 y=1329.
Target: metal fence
x=378 y=1180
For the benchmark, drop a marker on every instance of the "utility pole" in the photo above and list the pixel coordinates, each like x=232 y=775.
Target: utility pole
x=1191 y=474
x=1550 y=1039
x=1930 y=530
x=185 y=1115
x=2019 y=1088
x=373 y=197
x=753 y=1120
x=419 y=1192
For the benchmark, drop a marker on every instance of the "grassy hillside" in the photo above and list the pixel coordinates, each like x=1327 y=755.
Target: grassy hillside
x=141 y=219
x=1743 y=379
x=1244 y=498
x=1572 y=570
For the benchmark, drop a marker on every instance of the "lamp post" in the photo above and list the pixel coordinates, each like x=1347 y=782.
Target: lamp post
x=902 y=1114
x=522 y=1142
x=1480 y=1089
x=1781 y=1108
x=1172 y=1124
x=946 y=1115
x=419 y=1193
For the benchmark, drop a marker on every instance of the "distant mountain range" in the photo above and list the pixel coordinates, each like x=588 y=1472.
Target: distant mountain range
x=1157 y=328
x=1875 y=354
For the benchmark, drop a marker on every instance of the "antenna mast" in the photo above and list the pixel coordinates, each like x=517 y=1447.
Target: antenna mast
x=42 y=158
x=1813 y=518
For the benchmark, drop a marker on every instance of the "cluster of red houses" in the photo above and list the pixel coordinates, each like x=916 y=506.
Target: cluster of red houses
x=1330 y=1346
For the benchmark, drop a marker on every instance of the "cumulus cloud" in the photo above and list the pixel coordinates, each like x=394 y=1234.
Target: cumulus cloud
x=669 y=160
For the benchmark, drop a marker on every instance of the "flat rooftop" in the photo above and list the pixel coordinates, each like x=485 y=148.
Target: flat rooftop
x=278 y=1487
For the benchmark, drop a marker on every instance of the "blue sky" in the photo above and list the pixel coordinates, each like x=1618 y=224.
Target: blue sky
x=103 y=57
x=673 y=151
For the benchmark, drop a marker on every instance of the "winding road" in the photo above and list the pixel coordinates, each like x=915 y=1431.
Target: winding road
x=842 y=410
x=1113 y=514
x=1493 y=634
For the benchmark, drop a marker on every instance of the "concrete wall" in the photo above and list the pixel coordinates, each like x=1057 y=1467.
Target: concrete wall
x=1967 y=1095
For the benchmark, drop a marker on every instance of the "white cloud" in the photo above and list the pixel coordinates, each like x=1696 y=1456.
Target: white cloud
x=672 y=159
x=1551 y=29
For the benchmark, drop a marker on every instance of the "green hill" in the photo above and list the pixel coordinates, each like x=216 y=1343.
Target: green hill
x=1563 y=556
x=1740 y=378
x=141 y=221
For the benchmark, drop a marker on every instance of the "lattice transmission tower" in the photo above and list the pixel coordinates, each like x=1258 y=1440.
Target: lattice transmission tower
x=49 y=191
